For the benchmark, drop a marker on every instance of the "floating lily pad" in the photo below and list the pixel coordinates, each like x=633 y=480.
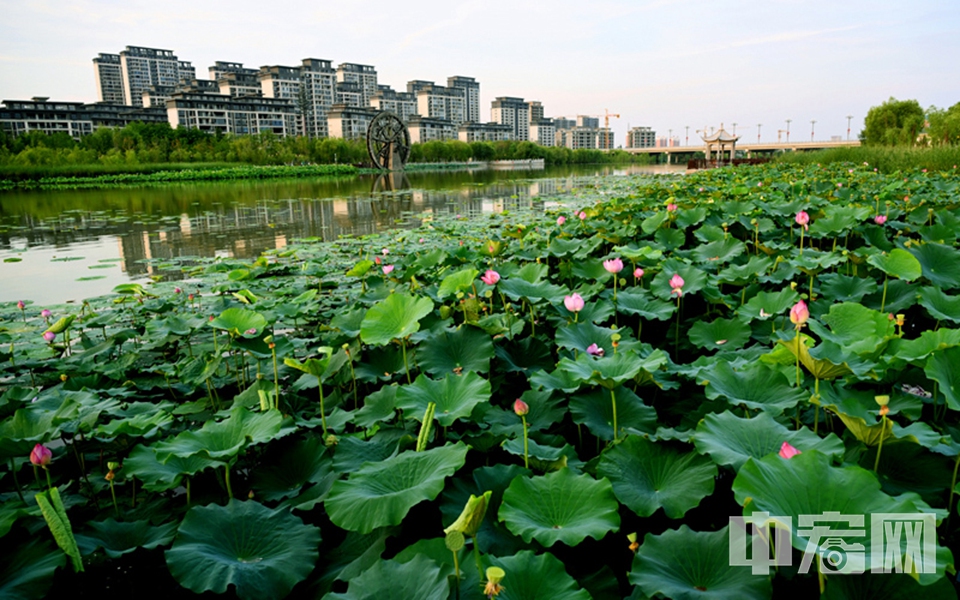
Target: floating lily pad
x=756 y=386
x=395 y=317
x=720 y=334
x=118 y=539
x=455 y=396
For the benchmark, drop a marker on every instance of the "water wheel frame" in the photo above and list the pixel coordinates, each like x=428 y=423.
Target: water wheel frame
x=388 y=141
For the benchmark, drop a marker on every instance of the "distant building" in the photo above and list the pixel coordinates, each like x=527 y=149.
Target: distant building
x=76 y=119
x=605 y=139
x=403 y=104
x=416 y=85
x=577 y=138
x=564 y=123
x=144 y=67
x=590 y=122
x=279 y=82
x=667 y=142
x=349 y=122
x=471 y=95
x=641 y=137
x=240 y=84
x=318 y=81
x=438 y=102
x=349 y=93
x=106 y=68
x=543 y=132
x=221 y=69
x=484 y=132
x=424 y=129
x=220 y=113
x=364 y=76
x=513 y=112
x=536 y=112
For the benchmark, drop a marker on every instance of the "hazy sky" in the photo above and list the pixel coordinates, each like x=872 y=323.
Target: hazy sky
x=667 y=64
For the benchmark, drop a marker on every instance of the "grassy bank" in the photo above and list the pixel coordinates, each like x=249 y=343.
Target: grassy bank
x=885 y=158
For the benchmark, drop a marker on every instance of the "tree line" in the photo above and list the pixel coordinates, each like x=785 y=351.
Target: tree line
x=905 y=123
x=158 y=143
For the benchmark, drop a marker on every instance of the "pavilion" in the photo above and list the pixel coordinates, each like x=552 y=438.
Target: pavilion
x=722 y=140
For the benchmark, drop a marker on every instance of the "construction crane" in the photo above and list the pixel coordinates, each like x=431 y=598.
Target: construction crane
x=606 y=126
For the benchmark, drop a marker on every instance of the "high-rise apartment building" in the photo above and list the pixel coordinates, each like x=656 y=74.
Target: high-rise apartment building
x=513 y=112
x=543 y=132
x=221 y=68
x=318 y=80
x=144 y=67
x=220 y=113
x=484 y=132
x=349 y=122
x=471 y=95
x=106 y=68
x=641 y=137
x=416 y=85
x=585 y=121
x=403 y=104
x=364 y=76
x=438 y=102
x=536 y=111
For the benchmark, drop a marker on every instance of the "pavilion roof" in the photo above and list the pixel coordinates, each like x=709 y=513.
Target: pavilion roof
x=720 y=136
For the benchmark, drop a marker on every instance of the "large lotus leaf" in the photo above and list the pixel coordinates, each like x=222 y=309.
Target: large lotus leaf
x=321 y=368
x=395 y=317
x=844 y=288
x=831 y=367
x=355 y=555
x=943 y=366
x=534 y=450
x=421 y=577
x=756 y=386
x=915 y=350
x=544 y=411
x=455 y=396
x=559 y=507
x=941 y=264
x=694 y=278
x=854 y=327
x=579 y=337
x=225 y=439
x=595 y=410
x=901 y=295
x=742 y=274
x=262 y=552
x=353 y=452
x=524 y=356
x=464 y=349
x=379 y=494
x=694 y=565
x=559 y=379
x=158 y=476
x=26 y=571
x=837 y=219
x=647 y=476
x=809 y=484
x=284 y=473
x=141 y=419
x=730 y=440
x=612 y=370
x=899 y=263
x=118 y=539
x=869 y=586
x=456 y=282
x=533 y=577
x=720 y=251
x=670 y=239
x=377 y=406
x=720 y=334
x=381 y=364
x=911 y=468
x=517 y=288
x=941 y=306
x=766 y=305
x=812 y=261
x=641 y=302
x=240 y=322
x=26 y=428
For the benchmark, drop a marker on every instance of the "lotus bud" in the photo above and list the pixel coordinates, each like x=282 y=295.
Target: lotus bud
x=387 y=269
x=561 y=220
x=799 y=314
x=49 y=336
x=582 y=215
x=40 y=456
x=20 y=304
x=45 y=313
x=671 y=207
x=468 y=523
x=880 y=219
x=638 y=273
x=491 y=277
x=573 y=303
x=803 y=218
x=520 y=407
x=614 y=265
x=901 y=319
x=63 y=377
x=788 y=451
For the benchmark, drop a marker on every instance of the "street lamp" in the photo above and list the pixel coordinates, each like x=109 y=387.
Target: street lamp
x=788 y=130
x=848 y=126
x=686 y=138
x=759 y=125
x=812 y=125
x=734 y=129
x=669 y=137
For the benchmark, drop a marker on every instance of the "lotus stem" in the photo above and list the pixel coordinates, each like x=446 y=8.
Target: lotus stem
x=883 y=299
x=526 y=449
x=113 y=492
x=476 y=554
x=816 y=407
x=613 y=398
x=226 y=479
x=276 y=383
x=953 y=484
x=456 y=568
x=406 y=367
x=676 y=339
x=801 y=241
x=323 y=412
x=16 y=481
x=883 y=434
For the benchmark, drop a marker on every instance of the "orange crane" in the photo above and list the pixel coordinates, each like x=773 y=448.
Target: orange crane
x=606 y=126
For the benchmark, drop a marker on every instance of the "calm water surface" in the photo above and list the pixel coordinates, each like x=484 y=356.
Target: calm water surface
x=66 y=246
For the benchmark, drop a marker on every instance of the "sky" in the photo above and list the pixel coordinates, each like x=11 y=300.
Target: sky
x=680 y=65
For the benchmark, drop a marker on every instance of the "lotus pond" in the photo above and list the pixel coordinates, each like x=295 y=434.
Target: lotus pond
x=519 y=405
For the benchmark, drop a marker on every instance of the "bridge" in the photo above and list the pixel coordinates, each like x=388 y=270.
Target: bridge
x=749 y=149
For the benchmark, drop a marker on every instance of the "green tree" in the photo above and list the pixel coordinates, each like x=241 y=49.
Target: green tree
x=893 y=123
x=944 y=126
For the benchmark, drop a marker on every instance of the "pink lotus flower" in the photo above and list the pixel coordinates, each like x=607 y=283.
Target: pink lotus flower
x=561 y=220
x=638 y=273
x=594 y=350
x=520 y=407
x=582 y=215
x=387 y=269
x=880 y=219
x=614 y=265
x=251 y=331
x=377 y=260
x=20 y=304
x=45 y=313
x=676 y=285
x=799 y=314
x=49 y=336
x=40 y=456
x=491 y=277
x=385 y=251
x=788 y=451
x=573 y=303
x=802 y=219
x=671 y=207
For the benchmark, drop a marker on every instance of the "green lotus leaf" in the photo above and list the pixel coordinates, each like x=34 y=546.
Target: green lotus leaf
x=813 y=261
x=838 y=219
x=263 y=553
x=118 y=539
x=381 y=365
x=377 y=406
x=942 y=367
x=321 y=368
x=747 y=272
x=240 y=322
x=348 y=322
x=284 y=473
x=559 y=379
x=19 y=433
x=380 y=494
x=26 y=571
x=421 y=577
x=694 y=279
x=654 y=221
x=535 y=450
x=940 y=264
x=455 y=282
x=916 y=350
x=612 y=370
x=355 y=555
x=720 y=334
x=940 y=305
x=809 y=484
x=719 y=252
x=579 y=337
x=756 y=386
x=455 y=396
x=360 y=269
x=158 y=476
x=524 y=356
x=463 y=349
x=537 y=577
x=854 y=327
x=353 y=452
x=595 y=410
x=843 y=288
x=396 y=317
x=886 y=585
x=559 y=507
x=562 y=247
x=517 y=288
x=169 y=325
x=142 y=419
x=863 y=404
x=641 y=302
x=901 y=295
x=225 y=439
x=766 y=305
x=730 y=440
x=823 y=368
x=911 y=468
x=692 y=565
x=898 y=263
x=647 y=476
